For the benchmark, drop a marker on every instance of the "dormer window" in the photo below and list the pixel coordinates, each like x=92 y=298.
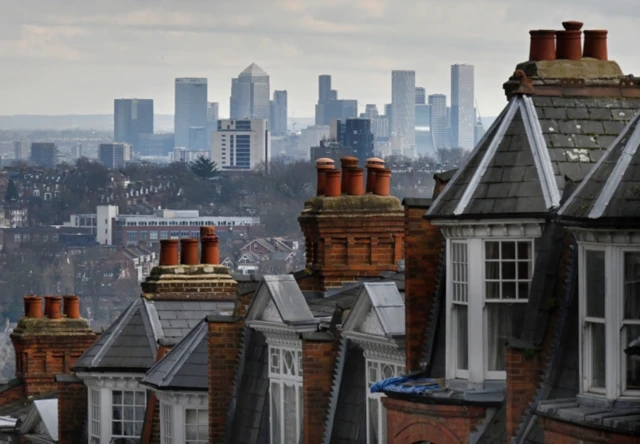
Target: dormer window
x=610 y=313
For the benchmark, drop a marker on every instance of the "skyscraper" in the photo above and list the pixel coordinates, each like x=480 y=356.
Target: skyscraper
x=213 y=114
x=421 y=95
x=463 y=119
x=439 y=122
x=21 y=150
x=250 y=94
x=114 y=155
x=278 y=121
x=241 y=144
x=357 y=138
x=44 y=154
x=190 y=108
x=403 y=109
x=324 y=88
x=132 y=117
x=329 y=108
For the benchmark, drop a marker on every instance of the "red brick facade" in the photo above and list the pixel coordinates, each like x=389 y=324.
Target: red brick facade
x=524 y=370
x=557 y=432
x=409 y=423
x=12 y=392
x=318 y=361
x=72 y=408
x=225 y=335
x=423 y=248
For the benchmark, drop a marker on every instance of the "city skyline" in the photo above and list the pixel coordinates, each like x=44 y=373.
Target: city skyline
x=81 y=47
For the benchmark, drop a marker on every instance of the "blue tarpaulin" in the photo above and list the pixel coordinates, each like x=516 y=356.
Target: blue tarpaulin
x=405 y=384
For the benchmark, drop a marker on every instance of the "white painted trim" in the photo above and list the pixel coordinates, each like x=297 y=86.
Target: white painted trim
x=486 y=160
x=540 y=153
x=611 y=185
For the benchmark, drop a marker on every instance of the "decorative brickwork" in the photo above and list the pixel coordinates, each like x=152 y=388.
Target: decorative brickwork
x=423 y=248
x=190 y=282
x=47 y=347
x=557 y=432
x=347 y=237
x=225 y=336
x=409 y=422
x=72 y=408
x=318 y=360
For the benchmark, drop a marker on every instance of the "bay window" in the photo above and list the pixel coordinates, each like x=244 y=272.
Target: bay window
x=489 y=273
x=179 y=423
x=127 y=413
x=196 y=426
x=285 y=392
x=378 y=370
x=610 y=317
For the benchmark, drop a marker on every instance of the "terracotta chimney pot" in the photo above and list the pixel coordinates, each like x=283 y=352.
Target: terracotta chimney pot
x=595 y=44
x=383 y=182
x=322 y=165
x=569 y=41
x=373 y=164
x=543 y=45
x=209 y=251
x=356 y=182
x=189 y=251
x=56 y=307
x=168 y=252
x=33 y=306
x=333 y=188
x=72 y=306
x=347 y=163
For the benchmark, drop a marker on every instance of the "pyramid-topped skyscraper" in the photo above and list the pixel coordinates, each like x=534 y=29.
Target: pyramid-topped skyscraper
x=250 y=94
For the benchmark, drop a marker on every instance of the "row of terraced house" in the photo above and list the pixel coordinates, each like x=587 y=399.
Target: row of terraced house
x=515 y=319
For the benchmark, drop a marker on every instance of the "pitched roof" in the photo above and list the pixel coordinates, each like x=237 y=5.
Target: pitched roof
x=253 y=70
x=521 y=165
x=611 y=190
x=185 y=366
x=383 y=303
x=130 y=343
x=281 y=294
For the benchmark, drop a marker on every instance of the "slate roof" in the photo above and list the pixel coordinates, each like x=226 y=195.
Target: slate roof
x=130 y=343
x=385 y=301
x=349 y=424
x=521 y=165
x=610 y=193
x=284 y=291
x=185 y=366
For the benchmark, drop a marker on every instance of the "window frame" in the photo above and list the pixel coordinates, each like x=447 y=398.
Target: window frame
x=398 y=370
x=281 y=379
x=614 y=322
x=123 y=405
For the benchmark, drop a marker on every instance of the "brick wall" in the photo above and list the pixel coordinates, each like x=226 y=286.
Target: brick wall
x=72 y=408
x=194 y=282
x=565 y=433
x=225 y=335
x=423 y=247
x=13 y=391
x=524 y=369
x=409 y=422
x=318 y=360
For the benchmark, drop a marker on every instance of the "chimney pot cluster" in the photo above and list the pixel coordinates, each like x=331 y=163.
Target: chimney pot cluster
x=188 y=255
x=53 y=308
x=567 y=44
x=334 y=183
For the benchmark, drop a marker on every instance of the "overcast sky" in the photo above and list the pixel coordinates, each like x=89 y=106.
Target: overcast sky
x=76 y=56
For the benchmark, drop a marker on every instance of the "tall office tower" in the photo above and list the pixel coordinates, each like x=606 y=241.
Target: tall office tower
x=114 y=155
x=388 y=112
x=44 y=154
x=213 y=114
x=21 y=150
x=132 y=117
x=403 y=109
x=311 y=136
x=324 y=88
x=190 y=108
x=421 y=95
x=463 y=118
x=279 y=115
x=250 y=94
x=241 y=144
x=371 y=111
x=76 y=150
x=425 y=145
x=439 y=120
x=357 y=138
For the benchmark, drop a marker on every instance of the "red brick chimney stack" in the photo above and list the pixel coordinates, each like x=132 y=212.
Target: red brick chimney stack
x=543 y=45
x=347 y=163
x=322 y=165
x=189 y=252
x=383 y=182
x=595 y=44
x=373 y=164
x=569 y=41
x=210 y=252
x=332 y=186
x=168 y=252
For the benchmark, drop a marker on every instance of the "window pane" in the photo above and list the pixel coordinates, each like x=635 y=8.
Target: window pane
x=523 y=290
x=373 y=420
x=290 y=414
x=508 y=250
x=633 y=362
x=508 y=290
x=462 y=336
x=595 y=283
x=597 y=355
x=192 y=416
x=508 y=270
x=493 y=290
x=387 y=371
x=524 y=270
x=492 y=270
x=275 y=413
x=632 y=285
x=524 y=250
x=492 y=250
x=117 y=397
x=499 y=323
